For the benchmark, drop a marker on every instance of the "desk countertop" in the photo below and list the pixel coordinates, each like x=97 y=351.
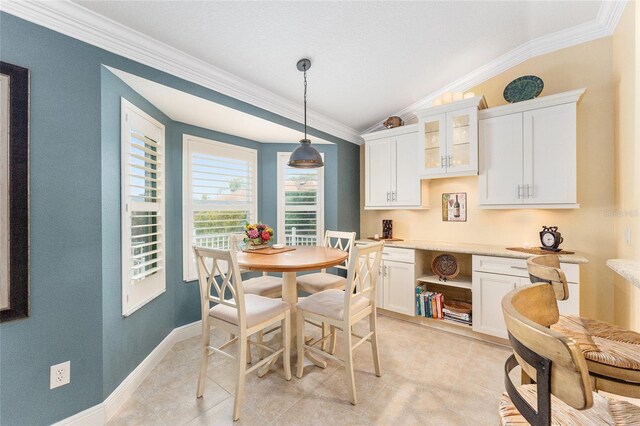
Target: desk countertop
x=629 y=269
x=470 y=248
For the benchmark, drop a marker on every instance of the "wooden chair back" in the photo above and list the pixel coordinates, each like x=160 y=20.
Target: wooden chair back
x=219 y=276
x=342 y=241
x=363 y=274
x=546 y=268
x=568 y=374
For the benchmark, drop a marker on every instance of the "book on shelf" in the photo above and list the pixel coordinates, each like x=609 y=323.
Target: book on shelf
x=429 y=304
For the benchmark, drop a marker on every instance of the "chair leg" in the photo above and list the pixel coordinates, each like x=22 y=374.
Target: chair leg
x=325 y=333
x=204 y=344
x=373 y=325
x=348 y=363
x=332 y=344
x=286 y=344
x=300 y=341
x=242 y=368
x=260 y=340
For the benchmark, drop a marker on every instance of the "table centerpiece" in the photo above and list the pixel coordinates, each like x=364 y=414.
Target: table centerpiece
x=258 y=236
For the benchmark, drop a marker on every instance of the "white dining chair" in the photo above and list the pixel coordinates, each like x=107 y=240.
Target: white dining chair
x=241 y=315
x=321 y=281
x=265 y=285
x=341 y=309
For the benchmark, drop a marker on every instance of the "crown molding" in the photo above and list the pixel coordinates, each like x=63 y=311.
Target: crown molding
x=572 y=96
x=603 y=25
x=85 y=25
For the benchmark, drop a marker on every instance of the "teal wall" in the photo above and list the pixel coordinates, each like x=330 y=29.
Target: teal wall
x=75 y=224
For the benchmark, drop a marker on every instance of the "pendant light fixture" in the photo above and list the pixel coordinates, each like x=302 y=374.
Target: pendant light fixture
x=305 y=156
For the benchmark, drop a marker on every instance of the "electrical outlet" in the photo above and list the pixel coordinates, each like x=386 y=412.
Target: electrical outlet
x=60 y=374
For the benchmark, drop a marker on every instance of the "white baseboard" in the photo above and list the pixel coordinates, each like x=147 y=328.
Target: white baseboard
x=101 y=413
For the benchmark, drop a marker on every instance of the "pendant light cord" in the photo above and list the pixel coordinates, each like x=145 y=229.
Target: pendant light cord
x=305 y=101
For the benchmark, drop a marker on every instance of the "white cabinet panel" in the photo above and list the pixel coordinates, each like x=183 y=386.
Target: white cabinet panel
x=550 y=160
x=406 y=183
x=399 y=292
x=391 y=169
x=488 y=291
x=378 y=164
x=528 y=153
x=500 y=180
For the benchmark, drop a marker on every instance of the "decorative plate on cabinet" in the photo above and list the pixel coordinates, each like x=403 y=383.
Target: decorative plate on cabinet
x=445 y=266
x=523 y=89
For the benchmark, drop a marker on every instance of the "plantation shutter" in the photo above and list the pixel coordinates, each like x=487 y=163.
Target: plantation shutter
x=220 y=187
x=300 y=201
x=143 y=208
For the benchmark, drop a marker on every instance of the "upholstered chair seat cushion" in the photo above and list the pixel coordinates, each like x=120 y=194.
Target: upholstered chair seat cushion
x=267 y=286
x=330 y=303
x=320 y=281
x=258 y=309
x=604 y=411
x=601 y=342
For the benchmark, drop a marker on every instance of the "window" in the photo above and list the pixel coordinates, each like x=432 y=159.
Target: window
x=300 y=204
x=143 y=204
x=219 y=195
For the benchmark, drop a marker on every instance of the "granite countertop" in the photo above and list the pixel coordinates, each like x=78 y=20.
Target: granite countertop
x=469 y=248
x=629 y=269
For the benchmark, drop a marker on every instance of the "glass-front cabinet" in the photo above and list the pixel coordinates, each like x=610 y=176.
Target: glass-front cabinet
x=449 y=139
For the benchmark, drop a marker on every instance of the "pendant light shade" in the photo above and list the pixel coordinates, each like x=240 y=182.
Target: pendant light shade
x=305 y=156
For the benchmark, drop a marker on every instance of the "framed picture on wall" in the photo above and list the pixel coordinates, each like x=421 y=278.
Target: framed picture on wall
x=454 y=207
x=14 y=192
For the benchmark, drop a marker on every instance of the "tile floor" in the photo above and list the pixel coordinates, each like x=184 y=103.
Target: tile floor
x=429 y=377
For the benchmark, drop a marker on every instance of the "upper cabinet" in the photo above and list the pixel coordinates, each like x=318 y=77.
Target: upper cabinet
x=391 y=169
x=448 y=139
x=528 y=153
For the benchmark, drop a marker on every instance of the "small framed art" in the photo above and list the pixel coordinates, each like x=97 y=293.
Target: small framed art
x=454 y=207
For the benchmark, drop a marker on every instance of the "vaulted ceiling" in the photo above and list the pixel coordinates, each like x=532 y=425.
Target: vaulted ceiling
x=370 y=59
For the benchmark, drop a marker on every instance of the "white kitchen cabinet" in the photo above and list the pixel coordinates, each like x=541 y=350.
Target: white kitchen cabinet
x=528 y=154
x=391 y=169
x=397 y=281
x=494 y=277
x=448 y=142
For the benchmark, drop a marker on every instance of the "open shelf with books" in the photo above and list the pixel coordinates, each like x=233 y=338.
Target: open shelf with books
x=449 y=300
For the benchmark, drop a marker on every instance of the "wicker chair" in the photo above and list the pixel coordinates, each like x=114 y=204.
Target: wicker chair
x=562 y=391
x=612 y=353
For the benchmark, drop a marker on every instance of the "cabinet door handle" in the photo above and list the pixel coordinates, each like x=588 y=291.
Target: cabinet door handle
x=529 y=191
x=388 y=196
x=519 y=191
x=442 y=164
x=450 y=161
x=524 y=268
x=394 y=196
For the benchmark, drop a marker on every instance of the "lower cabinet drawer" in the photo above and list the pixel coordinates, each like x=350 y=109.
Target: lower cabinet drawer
x=518 y=267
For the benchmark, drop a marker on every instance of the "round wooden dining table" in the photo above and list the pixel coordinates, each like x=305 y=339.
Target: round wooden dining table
x=302 y=258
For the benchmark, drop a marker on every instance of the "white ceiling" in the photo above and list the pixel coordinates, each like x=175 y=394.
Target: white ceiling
x=370 y=59
x=190 y=109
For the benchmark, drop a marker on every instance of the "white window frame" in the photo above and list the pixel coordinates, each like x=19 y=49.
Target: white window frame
x=137 y=294
x=190 y=144
x=283 y=158
x=4 y=192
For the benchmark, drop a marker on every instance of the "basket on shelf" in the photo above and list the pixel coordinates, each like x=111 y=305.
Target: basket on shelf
x=445 y=266
x=458 y=306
